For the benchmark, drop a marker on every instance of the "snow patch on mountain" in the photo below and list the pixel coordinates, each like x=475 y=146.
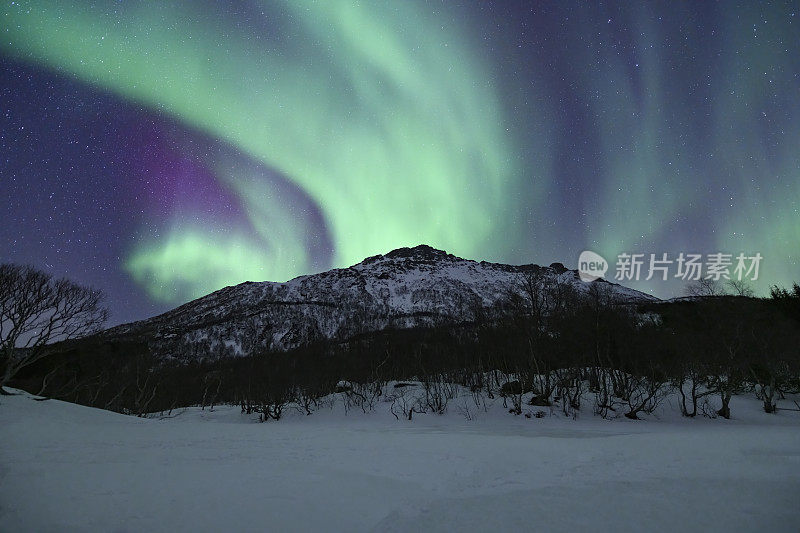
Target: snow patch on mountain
x=405 y=288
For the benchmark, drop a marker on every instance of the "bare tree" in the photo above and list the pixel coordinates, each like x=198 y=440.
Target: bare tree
x=740 y=287
x=705 y=287
x=36 y=310
x=689 y=379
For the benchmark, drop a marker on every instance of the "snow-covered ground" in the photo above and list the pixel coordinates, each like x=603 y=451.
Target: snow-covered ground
x=65 y=467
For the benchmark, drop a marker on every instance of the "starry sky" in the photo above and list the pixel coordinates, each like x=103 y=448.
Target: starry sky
x=162 y=150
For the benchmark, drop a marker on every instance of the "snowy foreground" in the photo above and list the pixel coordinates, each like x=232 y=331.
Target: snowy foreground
x=65 y=467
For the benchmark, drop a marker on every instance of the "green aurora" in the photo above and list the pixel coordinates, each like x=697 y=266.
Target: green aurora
x=375 y=111
x=393 y=120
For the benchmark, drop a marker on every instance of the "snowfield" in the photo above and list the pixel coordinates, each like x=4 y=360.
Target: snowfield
x=65 y=467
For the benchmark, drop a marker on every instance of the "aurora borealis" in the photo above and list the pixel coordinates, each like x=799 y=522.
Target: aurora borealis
x=164 y=150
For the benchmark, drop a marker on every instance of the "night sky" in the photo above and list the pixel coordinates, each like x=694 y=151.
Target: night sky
x=162 y=150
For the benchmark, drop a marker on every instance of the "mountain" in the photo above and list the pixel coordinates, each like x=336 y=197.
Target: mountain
x=408 y=287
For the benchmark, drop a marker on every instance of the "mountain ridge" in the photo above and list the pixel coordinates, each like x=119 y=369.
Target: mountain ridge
x=419 y=286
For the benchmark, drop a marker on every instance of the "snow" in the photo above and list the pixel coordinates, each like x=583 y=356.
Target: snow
x=65 y=467
x=403 y=289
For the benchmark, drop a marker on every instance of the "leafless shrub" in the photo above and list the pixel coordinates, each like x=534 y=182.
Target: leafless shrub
x=438 y=393
x=36 y=310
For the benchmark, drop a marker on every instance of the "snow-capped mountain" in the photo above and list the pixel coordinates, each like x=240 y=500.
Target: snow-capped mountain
x=408 y=287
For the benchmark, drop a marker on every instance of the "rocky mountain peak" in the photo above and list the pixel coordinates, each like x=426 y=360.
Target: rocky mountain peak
x=405 y=288
x=419 y=253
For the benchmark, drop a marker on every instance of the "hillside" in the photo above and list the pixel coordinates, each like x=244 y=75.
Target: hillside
x=405 y=288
